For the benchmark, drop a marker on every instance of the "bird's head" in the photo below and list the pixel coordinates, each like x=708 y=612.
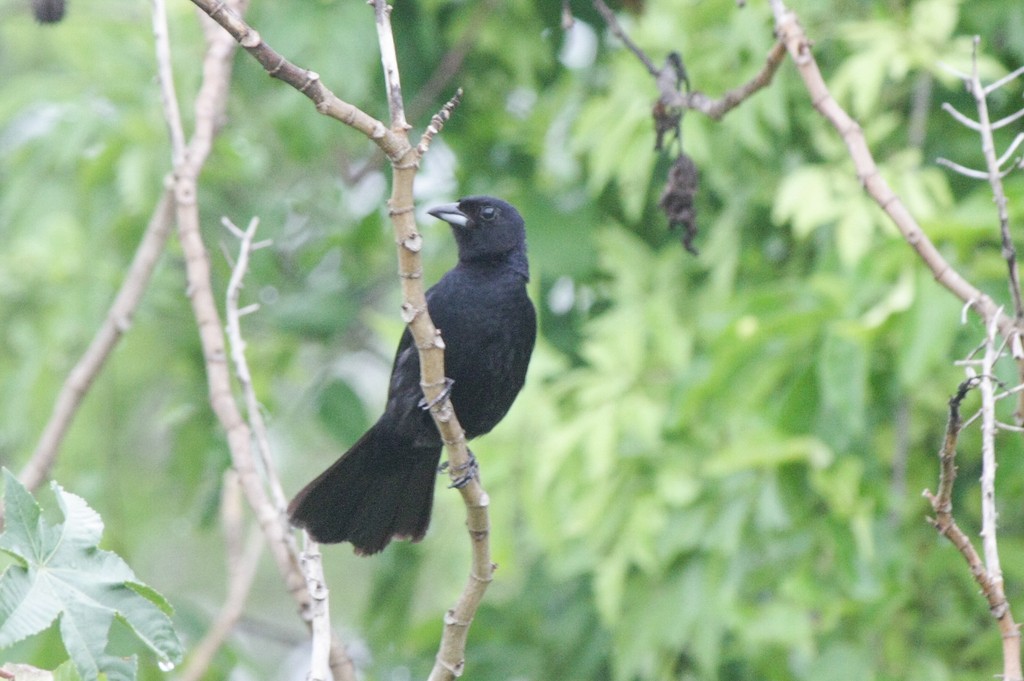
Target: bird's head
x=485 y=228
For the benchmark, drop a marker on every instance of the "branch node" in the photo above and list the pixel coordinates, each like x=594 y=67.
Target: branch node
x=250 y=39
x=411 y=312
x=312 y=77
x=413 y=242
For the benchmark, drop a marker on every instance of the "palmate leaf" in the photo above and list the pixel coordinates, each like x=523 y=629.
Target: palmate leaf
x=60 y=572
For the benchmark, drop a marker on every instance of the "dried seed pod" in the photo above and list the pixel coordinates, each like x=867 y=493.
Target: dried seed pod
x=677 y=199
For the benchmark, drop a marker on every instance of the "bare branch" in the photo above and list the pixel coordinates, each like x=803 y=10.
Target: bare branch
x=437 y=122
x=995 y=182
x=451 y=655
x=942 y=505
x=788 y=28
x=961 y=119
x=954 y=71
x=165 y=75
x=962 y=170
x=992 y=87
x=1003 y=122
x=306 y=82
x=393 y=140
x=616 y=28
x=988 y=459
x=1009 y=150
x=270 y=516
x=236 y=342
x=320 y=614
x=389 y=61
x=717 y=108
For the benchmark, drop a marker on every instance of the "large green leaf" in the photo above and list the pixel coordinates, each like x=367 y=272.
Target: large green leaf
x=61 y=572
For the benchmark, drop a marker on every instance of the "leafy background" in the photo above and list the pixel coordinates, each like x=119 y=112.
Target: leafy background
x=715 y=469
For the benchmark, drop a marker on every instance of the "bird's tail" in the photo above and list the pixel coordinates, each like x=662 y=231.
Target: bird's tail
x=374 y=492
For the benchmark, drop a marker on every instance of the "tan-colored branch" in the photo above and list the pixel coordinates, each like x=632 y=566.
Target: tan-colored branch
x=271 y=518
x=305 y=81
x=788 y=29
x=318 y=612
x=944 y=522
x=168 y=95
x=668 y=92
x=451 y=653
x=717 y=108
x=254 y=415
x=394 y=141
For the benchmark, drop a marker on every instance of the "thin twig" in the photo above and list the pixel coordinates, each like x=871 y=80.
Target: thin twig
x=616 y=28
x=270 y=516
x=1010 y=149
x=1012 y=75
x=165 y=76
x=717 y=108
x=317 y=613
x=995 y=182
x=962 y=170
x=437 y=122
x=1006 y=120
x=962 y=119
x=236 y=342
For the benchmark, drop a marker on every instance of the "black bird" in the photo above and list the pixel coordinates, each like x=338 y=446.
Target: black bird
x=383 y=486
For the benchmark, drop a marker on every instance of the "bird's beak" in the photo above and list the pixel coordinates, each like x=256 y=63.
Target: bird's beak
x=450 y=213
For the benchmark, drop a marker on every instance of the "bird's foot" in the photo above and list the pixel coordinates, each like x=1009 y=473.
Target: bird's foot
x=461 y=475
x=446 y=391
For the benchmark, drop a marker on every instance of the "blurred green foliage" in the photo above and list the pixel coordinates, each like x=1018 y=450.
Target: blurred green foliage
x=715 y=469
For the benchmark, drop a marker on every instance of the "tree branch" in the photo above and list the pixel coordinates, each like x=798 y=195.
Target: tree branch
x=788 y=28
x=668 y=90
x=995 y=181
x=616 y=28
x=404 y=159
x=271 y=519
x=306 y=82
x=451 y=654
x=717 y=108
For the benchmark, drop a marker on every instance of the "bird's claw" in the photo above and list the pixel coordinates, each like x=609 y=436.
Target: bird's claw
x=446 y=391
x=465 y=472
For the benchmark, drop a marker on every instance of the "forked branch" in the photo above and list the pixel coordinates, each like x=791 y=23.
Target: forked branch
x=393 y=140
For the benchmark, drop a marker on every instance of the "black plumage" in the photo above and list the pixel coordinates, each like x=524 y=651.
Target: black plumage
x=383 y=486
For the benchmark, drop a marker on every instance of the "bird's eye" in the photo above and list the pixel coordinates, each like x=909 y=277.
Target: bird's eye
x=488 y=212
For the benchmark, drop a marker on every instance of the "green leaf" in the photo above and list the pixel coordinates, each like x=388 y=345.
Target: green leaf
x=843 y=384
x=62 y=573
